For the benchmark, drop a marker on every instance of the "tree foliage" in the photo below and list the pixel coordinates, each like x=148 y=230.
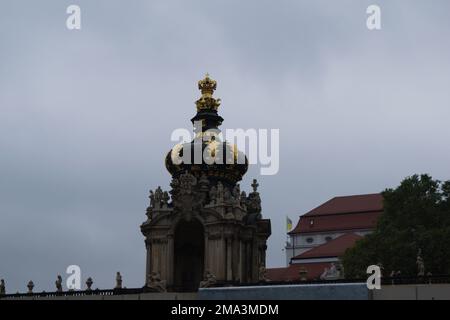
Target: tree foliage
x=416 y=215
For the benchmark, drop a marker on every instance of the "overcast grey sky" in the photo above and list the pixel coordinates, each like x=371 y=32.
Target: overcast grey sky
x=86 y=116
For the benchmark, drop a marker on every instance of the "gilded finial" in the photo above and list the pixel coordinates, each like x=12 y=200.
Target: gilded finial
x=207 y=86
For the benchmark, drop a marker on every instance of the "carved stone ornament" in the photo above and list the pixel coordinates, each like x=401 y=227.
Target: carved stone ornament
x=155 y=283
x=187 y=199
x=208 y=281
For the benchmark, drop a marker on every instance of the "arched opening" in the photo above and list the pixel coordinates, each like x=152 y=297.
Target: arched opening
x=189 y=250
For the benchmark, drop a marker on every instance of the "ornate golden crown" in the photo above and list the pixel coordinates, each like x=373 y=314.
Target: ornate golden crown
x=207 y=87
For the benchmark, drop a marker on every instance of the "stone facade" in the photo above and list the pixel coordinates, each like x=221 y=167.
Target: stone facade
x=205 y=230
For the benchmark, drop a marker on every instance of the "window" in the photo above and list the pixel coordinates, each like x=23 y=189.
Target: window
x=310 y=240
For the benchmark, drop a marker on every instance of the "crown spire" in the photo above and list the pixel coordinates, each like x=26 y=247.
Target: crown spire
x=207 y=86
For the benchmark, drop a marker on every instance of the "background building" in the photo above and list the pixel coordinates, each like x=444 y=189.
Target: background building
x=323 y=234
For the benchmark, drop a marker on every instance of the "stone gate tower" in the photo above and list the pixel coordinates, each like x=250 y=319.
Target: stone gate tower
x=205 y=230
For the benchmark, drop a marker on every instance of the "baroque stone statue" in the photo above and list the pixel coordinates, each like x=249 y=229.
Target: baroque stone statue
x=89 y=283
x=58 y=284
x=152 y=199
x=236 y=193
x=2 y=287
x=158 y=197
x=226 y=195
x=243 y=200
x=220 y=193
x=165 y=199
x=213 y=195
x=30 y=287
x=118 y=281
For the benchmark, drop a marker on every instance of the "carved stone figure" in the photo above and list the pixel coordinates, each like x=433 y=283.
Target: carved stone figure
x=158 y=197
x=203 y=182
x=226 y=195
x=118 y=280
x=175 y=185
x=262 y=273
x=236 y=193
x=420 y=264
x=149 y=214
x=152 y=199
x=155 y=283
x=244 y=200
x=89 y=283
x=165 y=199
x=2 y=287
x=220 y=192
x=208 y=281
x=187 y=181
x=30 y=287
x=58 y=284
x=213 y=195
x=254 y=203
x=255 y=185
x=187 y=199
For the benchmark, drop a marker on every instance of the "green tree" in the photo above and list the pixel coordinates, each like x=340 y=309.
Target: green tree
x=416 y=215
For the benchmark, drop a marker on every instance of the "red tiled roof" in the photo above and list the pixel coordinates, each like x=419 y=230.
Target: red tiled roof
x=291 y=273
x=343 y=222
x=333 y=248
x=341 y=214
x=349 y=204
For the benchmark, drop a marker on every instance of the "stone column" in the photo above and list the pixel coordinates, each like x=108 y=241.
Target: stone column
x=236 y=257
x=170 y=260
x=241 y=261
x=255 y=261
x=148 y=267
x=248 y=259
x=206 y=254
x=229 y=258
